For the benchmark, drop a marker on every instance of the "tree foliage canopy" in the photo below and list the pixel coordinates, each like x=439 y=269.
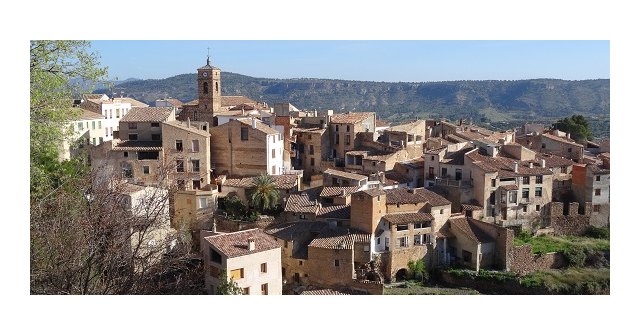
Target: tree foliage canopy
x=264 y=194
x=227 y=286
x=576 y=125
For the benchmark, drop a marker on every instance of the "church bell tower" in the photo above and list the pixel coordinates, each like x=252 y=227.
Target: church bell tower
x=209 y=89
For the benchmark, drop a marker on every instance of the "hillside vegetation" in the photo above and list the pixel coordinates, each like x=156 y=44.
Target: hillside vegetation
x=491 y=102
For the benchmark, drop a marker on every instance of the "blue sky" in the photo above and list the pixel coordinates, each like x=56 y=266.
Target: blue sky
x=362 y=60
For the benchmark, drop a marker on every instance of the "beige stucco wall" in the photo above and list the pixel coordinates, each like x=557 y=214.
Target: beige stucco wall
x=253 y=278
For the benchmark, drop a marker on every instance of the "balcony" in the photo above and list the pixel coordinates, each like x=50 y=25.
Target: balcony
x=453 y=183
x=293 y=172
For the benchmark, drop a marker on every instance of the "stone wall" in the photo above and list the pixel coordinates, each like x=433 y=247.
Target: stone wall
x=371 y=287
x=573 y=223
x=524 y=261
x=503 y=238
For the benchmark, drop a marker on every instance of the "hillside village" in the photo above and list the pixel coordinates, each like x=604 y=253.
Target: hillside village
x=357 y=199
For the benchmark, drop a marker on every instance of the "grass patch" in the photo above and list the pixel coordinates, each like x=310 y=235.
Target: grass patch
x=570 y=281
x=499 y=276
x=577 y=249
x=418 y=289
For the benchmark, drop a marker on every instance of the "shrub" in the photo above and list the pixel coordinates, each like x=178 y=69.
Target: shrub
x=596 y=232
x=575 y=255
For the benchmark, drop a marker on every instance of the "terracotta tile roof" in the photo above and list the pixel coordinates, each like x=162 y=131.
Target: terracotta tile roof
x=405 y=218
x=261 y=126
x=560 y=139
x=183 y=125
x=138 y=146
x=504 y=166
x=397 y=177
x=339 y=238
x=282 y=182
x=344 y=174
x=470 y=230
x=147 y=114
x=357 y=152
x=470 y=207
x=296 y=231
x=382 y=123
x=456 y=157
x=305 y=202
x=597 y=170
x=84 y=114
x=92 y=96
x=456 y=139
x=235 y=100
x=373 y=192
x=469 y=135
x=335 y=212
x=552 y=161
x=336 y=191
x=235 y=244
x=310 y=130
x=326 y=291
x=191 y=103
x=134 y=102
x=415 y=196
x=352 y=117
x=509 y=187
x=417 y=163
x=435 y=151
x=175 y=102
x=406 y=127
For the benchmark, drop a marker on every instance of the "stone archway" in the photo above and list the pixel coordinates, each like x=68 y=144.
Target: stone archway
x=401 y=275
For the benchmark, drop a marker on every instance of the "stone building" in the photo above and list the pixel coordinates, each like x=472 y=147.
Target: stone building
x=251 y=258
x=246 y=148
x=87 y=128
x=556 y=143
x=590 y=184
x=343 y=129
x=312 y=148
x=187 y=153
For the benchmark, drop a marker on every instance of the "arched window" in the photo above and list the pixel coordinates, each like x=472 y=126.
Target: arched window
x=205 y=88
x=216 y=87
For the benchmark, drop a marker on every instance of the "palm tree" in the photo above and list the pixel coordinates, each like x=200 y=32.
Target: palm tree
x=264 y=194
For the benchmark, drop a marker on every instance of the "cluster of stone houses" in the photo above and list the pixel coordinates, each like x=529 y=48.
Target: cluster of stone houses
x=360 y=198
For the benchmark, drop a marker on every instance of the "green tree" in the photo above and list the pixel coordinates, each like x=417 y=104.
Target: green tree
x=58 y=70
x=576 y=125
x=264 y=194
x=227 y=286
x=417 y=269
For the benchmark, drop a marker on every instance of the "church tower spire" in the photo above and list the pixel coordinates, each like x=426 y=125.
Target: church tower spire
x=209 y=89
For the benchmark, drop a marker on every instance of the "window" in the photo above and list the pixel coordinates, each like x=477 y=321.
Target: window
x=155 y=124
x=196 y=184
x=402 y=242
x=444 y=172
x=597 y=191
x=597 y=178
x=347 y=127
x=244 y=133
x=202 y=202
x=303 y=216
x=442 y=211
x=596 y=208
x=538 y=179
x=309 y=136
x=347 y=139
x=264 y=288
x=126 y=154
x=205 y=88
x=568 y=149
x=99 y=124
x=466 y=256
x=524 y=208
x=537 y=208
x=420 y=225
x=312 y=162
x=525 y=180
x=111 y=114
x=336 y=262
x=195 y=165
x=245 y=291
x=133 y=125
x=179 y=145
x=563 y=169
x=402 y=227
x=273 y=169
x=156 y=137
x=310 y=149
x=337 y=139
x=433 y=158
x=273 y=153
x=538 y=192
x=237 y=274
x=100 y=140
x=493 y=183
x=216 y=86
x=337 y=128
x=80 y=127
x=195 y=145
x=93 y=124
x=525 y=193
x=117 y=113
x=179 y=165
x=133 y=137
x=378 y=240
x=365 y=248
x=145 y=169
x=215 y=256
x=93 y=140
x=263 y=267
x=273 y=139
x=513 y=197
x=544 y=145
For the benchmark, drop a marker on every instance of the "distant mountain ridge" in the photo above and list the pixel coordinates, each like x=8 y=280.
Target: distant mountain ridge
x=482 y=101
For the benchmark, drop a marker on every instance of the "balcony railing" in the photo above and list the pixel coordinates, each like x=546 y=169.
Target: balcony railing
x=453 y=182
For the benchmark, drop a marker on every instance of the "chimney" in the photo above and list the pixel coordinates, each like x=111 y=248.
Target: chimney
x=568 y=135
x=243 y=112
x=251 y=244
x=412 y=191
x=530 y=164
x=253 y=123
x=542 y=163
x=343 y=193
x=188 y=123
x=515 y=167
